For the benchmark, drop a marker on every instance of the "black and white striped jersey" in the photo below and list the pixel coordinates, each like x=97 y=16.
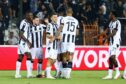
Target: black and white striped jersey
x=69 y=29
x=115 y=25
x=25 y=28
x=51 y=30
x=37 y=35
x=59 y=21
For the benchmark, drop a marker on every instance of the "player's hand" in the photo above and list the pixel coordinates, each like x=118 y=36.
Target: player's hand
x=29 y=44
x=59 y=38
x=51 y=40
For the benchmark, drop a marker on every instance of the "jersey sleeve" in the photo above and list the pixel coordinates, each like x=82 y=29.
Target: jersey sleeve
x=22 y=26
x=78 y=25
x=62 y=21
x=118 y=25
x=43 y=26
x=49 y=29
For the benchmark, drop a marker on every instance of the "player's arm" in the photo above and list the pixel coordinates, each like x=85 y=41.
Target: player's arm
x=21 y=32
x=50 y=37
x=112 y=34
x=48 y=33
x=23 y=37
x=77 y=29
x=59 y=30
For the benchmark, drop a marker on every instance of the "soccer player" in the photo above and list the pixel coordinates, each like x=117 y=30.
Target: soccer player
x=51 y=44
x=24 y=45
x=36 y=50
x=69 y=27
x=114 y=30
x=58 y=63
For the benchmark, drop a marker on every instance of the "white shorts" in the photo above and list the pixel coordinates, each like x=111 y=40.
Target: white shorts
x=51 y=53
x=113 y=50
x=70 y=47
x=36 y=53
x=23 y=48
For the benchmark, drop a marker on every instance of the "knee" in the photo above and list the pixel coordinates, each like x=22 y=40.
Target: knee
x=28 y=56
x=40 y=61
x=20 y=58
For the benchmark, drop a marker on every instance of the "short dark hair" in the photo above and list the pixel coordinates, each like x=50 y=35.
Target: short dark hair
x=53 y=13
x=35 y=16
x=114 y=13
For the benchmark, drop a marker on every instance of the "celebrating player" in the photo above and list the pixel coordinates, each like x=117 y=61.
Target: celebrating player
x=24 y=45
x=69 y=27
x=36 y=50
x=51 y=44
x=114 y=30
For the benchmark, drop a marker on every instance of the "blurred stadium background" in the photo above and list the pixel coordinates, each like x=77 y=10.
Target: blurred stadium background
x=93 y=19
x=92 y=15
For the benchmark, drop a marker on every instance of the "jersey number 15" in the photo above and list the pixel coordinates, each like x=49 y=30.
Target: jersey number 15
x=71 y=26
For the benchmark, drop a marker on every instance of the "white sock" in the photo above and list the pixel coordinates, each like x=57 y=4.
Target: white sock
x=18 y=67
x=39 y=68
x=117 y=70
x=125 y=71
x=110 y=72
x=31 y=67
x=60 y=67
x=28 y=65
x=69 y=72
x=48 y=69
x=57 y=66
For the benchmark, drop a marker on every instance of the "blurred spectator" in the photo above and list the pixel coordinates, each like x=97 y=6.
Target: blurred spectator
x=12 y=40
x=42 y=11
x=49 y=6
x=14 y=7
x=119 y=8
x=124 y=11
x=74 y=5
x=89 y=13
x=103 y=8
x=55 y=4
x=34 y=5
x=5 y=13
x=63 y=6
x=26 y=6
x=1 y=34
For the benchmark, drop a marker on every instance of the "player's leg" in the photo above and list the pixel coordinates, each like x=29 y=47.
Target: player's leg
x=39 y=68
x=110 y=70
x=69 y=66
x=64 y=65
x=117 y=75
x=19 y=60
x=58 y=65
x=39 y=64
x=70 y=53
x=18 y=65
x=29 y=64
x=124 y=73
x=48 y=68
x=33 y=54
x=114 y=53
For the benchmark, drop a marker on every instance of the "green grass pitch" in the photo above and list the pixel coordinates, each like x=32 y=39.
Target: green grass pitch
x=78 y=77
